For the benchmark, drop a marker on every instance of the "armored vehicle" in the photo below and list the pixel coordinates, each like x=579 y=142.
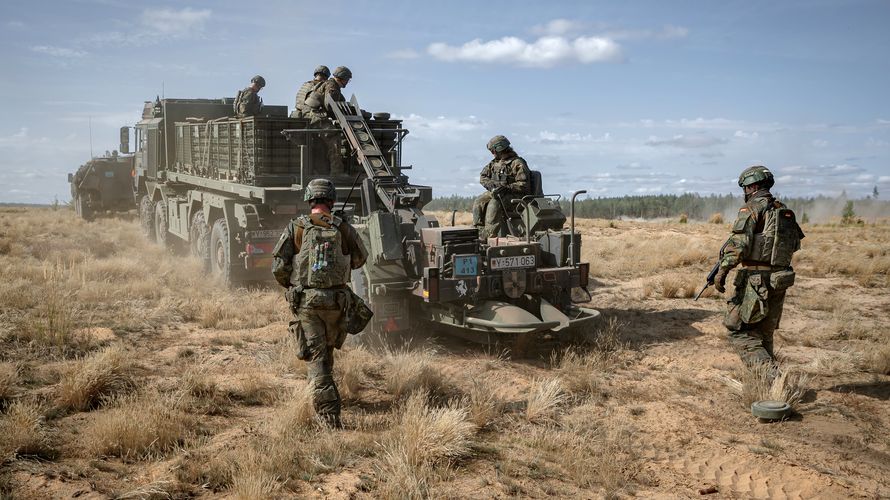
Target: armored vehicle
x=419 y=273
x=103 y=184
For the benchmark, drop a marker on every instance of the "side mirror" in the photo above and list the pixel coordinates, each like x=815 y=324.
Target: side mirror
x=70 y=177
x=125 y=140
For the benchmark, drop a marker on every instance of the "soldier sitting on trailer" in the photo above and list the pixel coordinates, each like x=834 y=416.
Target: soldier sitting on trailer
x=319 y=119
x=505 y=178
x=248 y=102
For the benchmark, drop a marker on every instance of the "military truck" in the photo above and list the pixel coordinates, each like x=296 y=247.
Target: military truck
x=420 y=274
x=222 y=187
x=103 y=184
x=225 y=187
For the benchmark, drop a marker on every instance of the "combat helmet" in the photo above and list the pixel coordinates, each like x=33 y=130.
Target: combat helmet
x=322 y=70
x=259 y=81
x=320 y=189
x=497 y=144
x=758 y=174
x=342 y=72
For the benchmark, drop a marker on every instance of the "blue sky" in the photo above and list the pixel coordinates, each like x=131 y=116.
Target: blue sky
x=617 y=98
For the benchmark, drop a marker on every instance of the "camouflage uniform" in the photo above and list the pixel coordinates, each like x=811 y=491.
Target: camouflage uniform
x=318 y=323
x=318 y=119
x=248 y=103
x=510 y=173
x=300 y=108
x=756 y=307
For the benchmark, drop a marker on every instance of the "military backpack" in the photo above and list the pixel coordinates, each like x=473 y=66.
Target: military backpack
x=780 y=238
x=320 y=263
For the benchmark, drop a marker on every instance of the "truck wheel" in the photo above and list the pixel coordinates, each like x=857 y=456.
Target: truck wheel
x=162 y=237
x=220 y=258
x=199 y=239
x=147 y=217
x=82 y=207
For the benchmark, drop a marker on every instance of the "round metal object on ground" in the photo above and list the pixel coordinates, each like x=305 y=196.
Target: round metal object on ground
x=770 y=410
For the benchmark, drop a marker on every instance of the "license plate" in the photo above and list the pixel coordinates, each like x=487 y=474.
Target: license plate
x=465 y=265
x=513 y=262
x=264 y=234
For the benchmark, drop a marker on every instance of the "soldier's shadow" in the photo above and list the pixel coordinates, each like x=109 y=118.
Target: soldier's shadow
x=641 y=327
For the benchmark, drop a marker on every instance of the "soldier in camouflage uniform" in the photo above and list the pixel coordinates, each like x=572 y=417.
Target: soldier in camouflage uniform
x=319 y=119
x=248 y=102
x=312 y=260
x=322 y=73
x=764 y=237
x=505 y=177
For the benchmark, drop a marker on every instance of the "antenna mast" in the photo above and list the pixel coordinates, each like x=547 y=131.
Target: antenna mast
x=91 y=135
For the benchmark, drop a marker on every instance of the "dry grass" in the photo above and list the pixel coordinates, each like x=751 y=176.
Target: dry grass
x=834 y=363
x=138 y=426
x=23 y=431
x=408 y=371
x=716 y=218
x=202 y=392
x=88 y=381
x=483 y=404
x=352 y=366
x=675 y=286
x=424 y=438
x=296 y=413
x=250 y=482
x=9 y=378
x=544 y=400
x=254 y=387
x=755 y=383
x=211 y=470
x=879 y=360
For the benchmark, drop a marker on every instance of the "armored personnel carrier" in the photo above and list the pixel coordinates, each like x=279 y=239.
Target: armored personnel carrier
x=103 y=184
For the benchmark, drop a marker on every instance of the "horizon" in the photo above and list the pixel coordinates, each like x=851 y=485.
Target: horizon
x=621 y=100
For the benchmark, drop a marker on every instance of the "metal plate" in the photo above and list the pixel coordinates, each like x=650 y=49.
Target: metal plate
x=512 y=262
x=465 y=265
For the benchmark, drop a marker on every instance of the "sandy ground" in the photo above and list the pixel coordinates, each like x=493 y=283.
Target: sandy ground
x=664 y=422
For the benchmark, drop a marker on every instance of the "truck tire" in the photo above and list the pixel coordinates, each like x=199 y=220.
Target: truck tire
x=199 y=239
x=83 y=208
x=220 y=257
x=162 y=236
x=147 y=217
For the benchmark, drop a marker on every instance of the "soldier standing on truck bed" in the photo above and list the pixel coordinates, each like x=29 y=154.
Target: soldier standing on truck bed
x=313 y=259
x=764 y=237
x=248 y=102
x=319 y=119
x=505 y=177
x=322 y=73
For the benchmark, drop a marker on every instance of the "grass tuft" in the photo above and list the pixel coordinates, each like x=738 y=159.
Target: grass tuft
x=543 y=401
x=408 y=371
x=755 y=383
x=23 y=432
x=90 y=380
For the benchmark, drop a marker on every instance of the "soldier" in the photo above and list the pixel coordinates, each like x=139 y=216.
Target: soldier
x=322 y=73
x=248 y=102
x=764 y=237
x=318 y=115
x=312 y=260
x=505 y=177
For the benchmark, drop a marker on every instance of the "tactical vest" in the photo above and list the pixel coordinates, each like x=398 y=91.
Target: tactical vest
x=307 y=89
x=320 y=262
x=780 y=237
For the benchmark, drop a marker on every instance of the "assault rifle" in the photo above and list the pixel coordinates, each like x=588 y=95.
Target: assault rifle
x=713 y=273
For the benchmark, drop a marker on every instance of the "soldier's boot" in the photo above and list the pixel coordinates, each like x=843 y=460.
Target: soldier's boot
x=326 y=400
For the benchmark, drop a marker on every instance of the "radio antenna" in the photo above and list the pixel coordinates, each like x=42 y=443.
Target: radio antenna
x=91 y=135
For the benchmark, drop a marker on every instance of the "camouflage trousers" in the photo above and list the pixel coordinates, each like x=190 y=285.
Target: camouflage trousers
x=753 y=315
x=318 y=328
x=330 y=141
x=489 y=216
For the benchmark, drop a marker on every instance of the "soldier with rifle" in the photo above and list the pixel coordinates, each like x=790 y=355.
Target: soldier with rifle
x=248 y=101
x=312 y=260
x=319 y=118
x=764 y=237
x=505 y=177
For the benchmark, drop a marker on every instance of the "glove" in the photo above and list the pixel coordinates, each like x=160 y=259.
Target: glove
x=499 y=190
x=720 y=279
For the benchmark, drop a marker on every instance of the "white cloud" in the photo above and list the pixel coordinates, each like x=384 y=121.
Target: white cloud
x=683 y=141
x=544 y=52
x=166 y=21
x=16 y=25
x=403 y=54
x=440 y=127
x=741 y=134
x=558 y=27
x=819 y=143
x=63 y=52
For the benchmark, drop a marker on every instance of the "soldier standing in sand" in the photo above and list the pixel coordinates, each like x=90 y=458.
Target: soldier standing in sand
x=764 y=237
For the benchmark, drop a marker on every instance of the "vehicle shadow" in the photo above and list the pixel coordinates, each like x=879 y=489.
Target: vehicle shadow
x=876 y=389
